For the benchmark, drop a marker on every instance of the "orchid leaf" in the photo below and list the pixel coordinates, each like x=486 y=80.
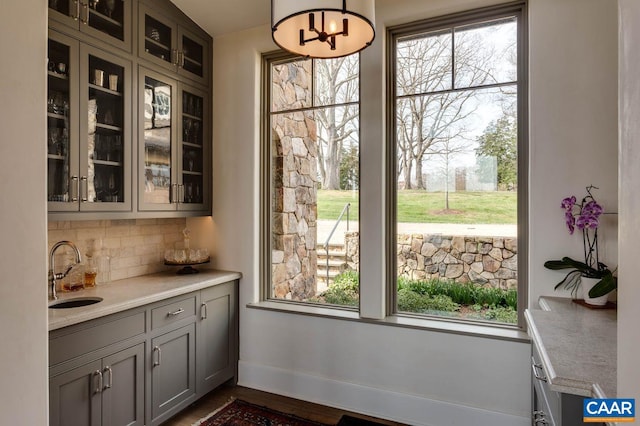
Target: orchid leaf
x=606 y=285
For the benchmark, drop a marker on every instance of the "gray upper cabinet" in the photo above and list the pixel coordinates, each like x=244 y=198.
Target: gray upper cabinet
x=89 y=128
x=173 y=148
x=216 y=337
x=128 y=111
x=95 y=18
x=170 y=44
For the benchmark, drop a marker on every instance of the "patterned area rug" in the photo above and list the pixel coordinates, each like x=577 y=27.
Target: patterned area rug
x=242 y=413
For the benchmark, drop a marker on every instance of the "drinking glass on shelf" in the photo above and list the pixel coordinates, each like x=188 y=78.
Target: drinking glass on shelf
x=52 y=140
x=196 y=132
x=187 y=129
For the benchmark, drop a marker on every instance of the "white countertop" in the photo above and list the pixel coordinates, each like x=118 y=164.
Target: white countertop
x=133 y=292
x=578 y=346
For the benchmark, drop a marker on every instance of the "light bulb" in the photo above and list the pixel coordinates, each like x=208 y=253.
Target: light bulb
x=332 y=27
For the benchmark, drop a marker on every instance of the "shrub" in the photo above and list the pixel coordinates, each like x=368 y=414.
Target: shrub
x=511 y=298
x=411 y=301
x=502 y=314
x=345 y=289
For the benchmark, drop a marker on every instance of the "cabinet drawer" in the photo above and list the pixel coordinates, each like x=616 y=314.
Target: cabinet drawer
x=66 y=344
x=173 y=311
x=540 y=380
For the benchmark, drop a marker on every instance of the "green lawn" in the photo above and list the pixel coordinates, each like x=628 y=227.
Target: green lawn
x=498 y=207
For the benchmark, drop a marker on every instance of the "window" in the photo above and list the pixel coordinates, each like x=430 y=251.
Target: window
x=311 y=179
x=458 y=170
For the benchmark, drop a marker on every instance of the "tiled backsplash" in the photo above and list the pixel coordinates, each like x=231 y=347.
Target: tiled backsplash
x=136 y=246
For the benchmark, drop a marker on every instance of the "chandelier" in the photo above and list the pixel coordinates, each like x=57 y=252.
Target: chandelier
x=323 y=28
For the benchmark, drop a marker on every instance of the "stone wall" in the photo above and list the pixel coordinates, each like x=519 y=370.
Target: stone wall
x=294 y=204
x=480 y=260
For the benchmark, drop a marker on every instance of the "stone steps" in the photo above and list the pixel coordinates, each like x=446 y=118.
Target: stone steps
x=337 y=262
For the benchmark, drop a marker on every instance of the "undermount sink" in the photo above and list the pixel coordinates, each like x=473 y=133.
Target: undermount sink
x=75 y=302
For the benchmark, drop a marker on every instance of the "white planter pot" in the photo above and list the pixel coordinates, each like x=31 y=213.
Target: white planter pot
x=587 y=284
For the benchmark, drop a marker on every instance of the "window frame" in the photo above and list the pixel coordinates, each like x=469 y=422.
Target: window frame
x=265 y=256
x=514 y=9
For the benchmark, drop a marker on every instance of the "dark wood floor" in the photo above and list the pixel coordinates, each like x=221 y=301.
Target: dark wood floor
x=220 y=396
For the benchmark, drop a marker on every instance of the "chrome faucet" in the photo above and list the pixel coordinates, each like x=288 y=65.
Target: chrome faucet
x=52 y=265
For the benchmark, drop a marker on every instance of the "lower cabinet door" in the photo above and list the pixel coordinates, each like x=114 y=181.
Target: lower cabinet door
x=123 y=388
x=172 y=366
x=216 y=337
x=75 y=396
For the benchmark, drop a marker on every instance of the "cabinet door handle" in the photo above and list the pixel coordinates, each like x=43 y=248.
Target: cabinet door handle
x=203 y=311
x=107 y=385
x=181 y=59
x=156 y=349
x=76 y=3
x=174 y=313
x=535 y=367
x=174 y=193
x=84 y=184
x=74 y=188
x=85 y=7
x=97 y=374
x=174 y=57
x=181 y=193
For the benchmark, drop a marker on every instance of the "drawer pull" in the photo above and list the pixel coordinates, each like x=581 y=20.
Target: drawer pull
x=174 y=313
x=535 y=367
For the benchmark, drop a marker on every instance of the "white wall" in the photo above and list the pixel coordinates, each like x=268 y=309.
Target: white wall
x=628 y=313
x=390 y=371
x=573 y=127
x=23 y=291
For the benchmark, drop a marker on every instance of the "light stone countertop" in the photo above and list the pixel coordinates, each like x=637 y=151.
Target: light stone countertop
x=133 y=292
x=578 y=346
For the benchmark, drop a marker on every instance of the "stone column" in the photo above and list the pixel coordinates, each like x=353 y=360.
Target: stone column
x=295 y=180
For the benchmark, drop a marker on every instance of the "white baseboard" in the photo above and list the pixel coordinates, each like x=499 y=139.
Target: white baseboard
x=384 y=404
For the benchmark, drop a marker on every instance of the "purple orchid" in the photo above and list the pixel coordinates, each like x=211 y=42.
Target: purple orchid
x=585 y=221
x=586 y=217
x=570 y=221
x=568 y=203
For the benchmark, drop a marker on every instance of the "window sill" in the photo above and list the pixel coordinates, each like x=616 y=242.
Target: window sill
x=430 y=324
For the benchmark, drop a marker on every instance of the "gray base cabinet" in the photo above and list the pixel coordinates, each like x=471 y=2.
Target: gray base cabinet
x=173 y=375
x=109 y=391
x=143 y=365
x=551 y=408
x=216 y=353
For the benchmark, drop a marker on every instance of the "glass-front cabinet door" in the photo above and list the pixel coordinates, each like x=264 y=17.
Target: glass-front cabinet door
x=157 y=183
x=89 y=128
x=62 y=123
x=105 y=160
x=194 y=149
x=174 y=147
x=96 y=18
x=193 y=57
x=172 y=46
